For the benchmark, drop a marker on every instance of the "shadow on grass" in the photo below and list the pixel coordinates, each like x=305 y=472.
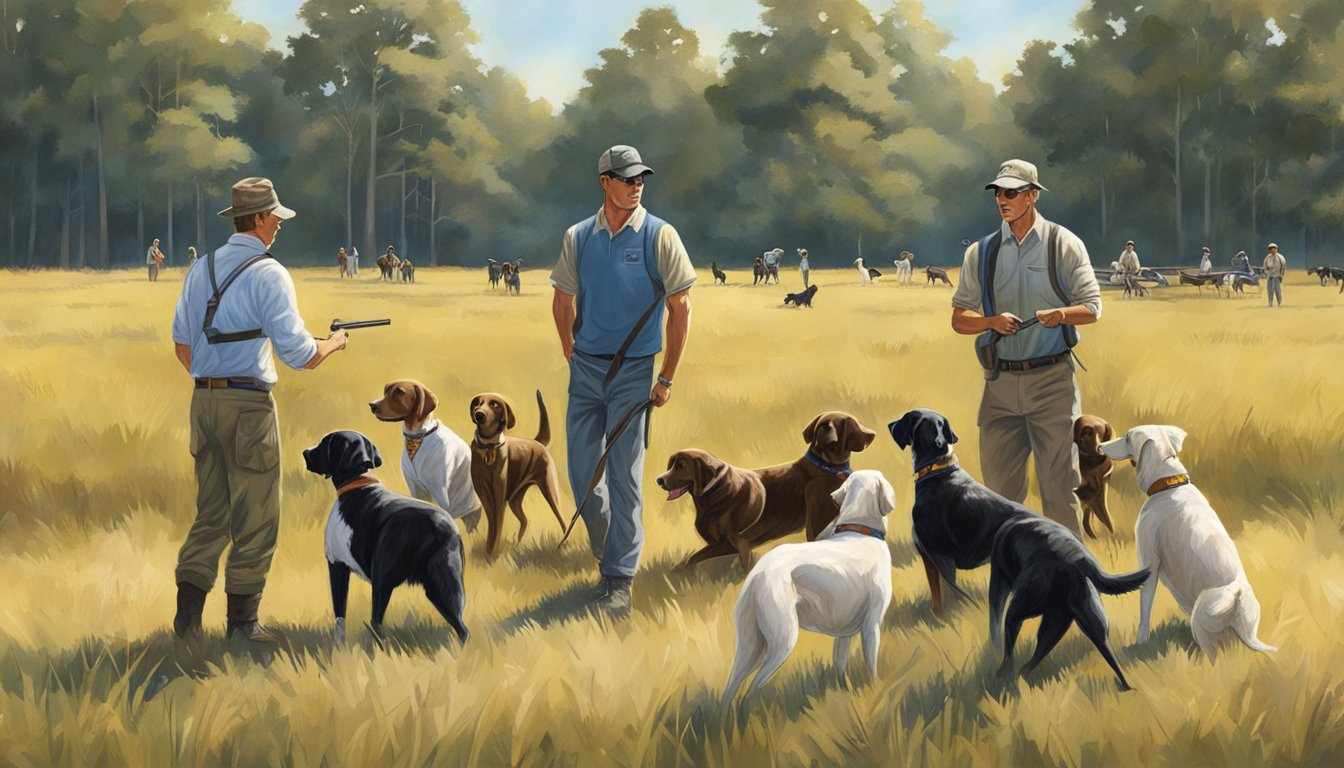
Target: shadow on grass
x=98 y=667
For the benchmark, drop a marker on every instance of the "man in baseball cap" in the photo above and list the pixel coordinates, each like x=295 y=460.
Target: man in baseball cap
x=623 y=161
x=1031 y=396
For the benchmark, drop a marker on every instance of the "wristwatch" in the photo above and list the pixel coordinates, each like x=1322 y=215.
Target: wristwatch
x=665 y=382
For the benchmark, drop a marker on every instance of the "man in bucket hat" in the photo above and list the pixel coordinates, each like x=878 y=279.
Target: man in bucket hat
x=234 y=309
x=1028 y=268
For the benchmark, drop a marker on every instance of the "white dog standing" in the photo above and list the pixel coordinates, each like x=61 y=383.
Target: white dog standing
x=838 y=585
x=1181 y=539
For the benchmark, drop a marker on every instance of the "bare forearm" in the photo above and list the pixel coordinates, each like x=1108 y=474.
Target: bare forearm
x=183 y=352
x=325 y=348
x=562 y=309
x=678 y=328
x=968 y=321
x=1079 y=315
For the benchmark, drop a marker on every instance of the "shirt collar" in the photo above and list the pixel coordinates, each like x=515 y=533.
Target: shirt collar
x=635 y=222
x=1037 y=229
x=250 y=242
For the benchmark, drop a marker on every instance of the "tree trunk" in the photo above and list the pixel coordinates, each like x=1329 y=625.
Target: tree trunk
x=433 y=220
x=83 y=230
x=370 y=198
x=1208 y=198
x=1103 y=206
x=32 y=213
x=349 y=187
x=140 y=224
x=1176 y=140
x=63 y=252
x=169 y=251
x=103 y=245
x=401 y=235
x=200 y=219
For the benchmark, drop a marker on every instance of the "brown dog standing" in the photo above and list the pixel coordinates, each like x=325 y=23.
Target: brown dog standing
x=1088 y=433
x=728 y=501
x=504 y=466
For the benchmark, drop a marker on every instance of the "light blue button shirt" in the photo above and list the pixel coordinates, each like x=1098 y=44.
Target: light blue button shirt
x=262 y=297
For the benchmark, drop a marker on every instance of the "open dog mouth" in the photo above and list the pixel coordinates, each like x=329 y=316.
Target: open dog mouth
x=677 y=493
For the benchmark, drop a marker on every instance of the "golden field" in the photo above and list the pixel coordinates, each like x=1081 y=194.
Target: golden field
x=96 y=493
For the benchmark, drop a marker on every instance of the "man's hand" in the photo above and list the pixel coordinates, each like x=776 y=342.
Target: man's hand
x=1005 y=324
x=660 y=395
x=342 y=336
x=1050 y=318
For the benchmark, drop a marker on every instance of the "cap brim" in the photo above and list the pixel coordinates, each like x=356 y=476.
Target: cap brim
x=280 y=211
x=1116 y=449
x=1012 y=182
x=631 y=171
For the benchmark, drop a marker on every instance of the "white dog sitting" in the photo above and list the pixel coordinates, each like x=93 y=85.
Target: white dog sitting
x=838 y=585
x=1181 y=539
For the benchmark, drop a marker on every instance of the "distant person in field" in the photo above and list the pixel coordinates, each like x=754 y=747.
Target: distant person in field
x=235 y=436
x=771 y=259
x=803 y=267
x=1031 y=398
x=612 y=268
x=342 y=263
x=1129 y=260
x=1205 y=262
x=1241 y=262
x=154 y=258
x=191 y=256
x=354 y=261
x=1274 y=266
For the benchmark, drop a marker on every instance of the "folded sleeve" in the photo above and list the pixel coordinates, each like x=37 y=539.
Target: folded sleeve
x=674 y=264
x=565 y=275
x=968 y=294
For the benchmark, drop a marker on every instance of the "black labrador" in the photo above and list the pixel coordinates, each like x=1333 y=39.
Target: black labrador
x=1034 y=560
x=802 y=298
x=719 y=275
x=387 y=539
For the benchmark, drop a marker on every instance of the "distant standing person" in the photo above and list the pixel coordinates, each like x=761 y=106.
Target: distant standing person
x=1031 y=398
x=235 y=435
x=1241 y=262
x=1129 y=260
x=153 y=258
x=803 y=267
x=191 y=255
x=354 y=261
x=612 y=269
x=1274 y=265
x=1205 y=262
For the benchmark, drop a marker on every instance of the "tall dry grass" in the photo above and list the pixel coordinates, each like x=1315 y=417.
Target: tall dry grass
x=96 y=493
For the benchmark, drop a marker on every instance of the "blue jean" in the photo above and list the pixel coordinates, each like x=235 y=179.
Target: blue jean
x=1274 y=290
x=613 y=513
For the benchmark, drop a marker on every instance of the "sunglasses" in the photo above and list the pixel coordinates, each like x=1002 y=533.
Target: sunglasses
x=633 y=181
x=1010 y=194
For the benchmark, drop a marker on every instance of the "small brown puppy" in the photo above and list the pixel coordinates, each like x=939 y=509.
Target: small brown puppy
x=798 y=495
x=728 y=501
x=504 y=467
x=1088 y=433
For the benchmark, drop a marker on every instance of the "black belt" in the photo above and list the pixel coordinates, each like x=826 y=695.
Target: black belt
x=1033 y=363
x=628 y=359
x=250 y=384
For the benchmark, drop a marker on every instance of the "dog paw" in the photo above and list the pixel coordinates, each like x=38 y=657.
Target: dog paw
x=1143 y=636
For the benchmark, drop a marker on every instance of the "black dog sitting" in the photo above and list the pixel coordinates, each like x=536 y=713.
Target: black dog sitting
x=387 y=539
x=722 y=277
x=1038 y=562
x=802 y=298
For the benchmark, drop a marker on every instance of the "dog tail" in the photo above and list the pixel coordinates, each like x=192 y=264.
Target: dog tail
x=1115 y=584
x=1231 y=606
x=543 y=431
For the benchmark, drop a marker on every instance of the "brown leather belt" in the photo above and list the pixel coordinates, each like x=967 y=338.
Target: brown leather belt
x=225 y=383
x=1033 y=363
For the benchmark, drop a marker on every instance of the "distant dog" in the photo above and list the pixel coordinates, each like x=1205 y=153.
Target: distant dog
x=512 y=283
x=802 y=298
x=1089 y=432
x=728 y=502
x=407 y=271
x=504 y=466
x=838 y=585
x=719 y=275
x=384 y=268
x=494 y=270
x=866 y=274
x=905 y=268
x=1239 y=282
x=383 y=537
x=955 y=518
x=1182 y=542
x=936 y=274
x=1323 y=272
x=435 y=462
x=758 y=273
x=1133 y=288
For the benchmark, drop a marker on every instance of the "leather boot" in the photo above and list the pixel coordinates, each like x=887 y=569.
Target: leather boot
x=242 y=612
x=190 y=605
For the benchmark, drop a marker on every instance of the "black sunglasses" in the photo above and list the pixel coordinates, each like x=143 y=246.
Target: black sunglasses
x=634 y=181
x=1010 y=194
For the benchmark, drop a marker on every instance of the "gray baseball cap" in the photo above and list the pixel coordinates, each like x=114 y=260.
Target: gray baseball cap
x=255 y=195
x=622 y=160
x=1015 y=174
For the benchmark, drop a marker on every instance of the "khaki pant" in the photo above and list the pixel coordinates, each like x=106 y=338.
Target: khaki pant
x=1032 y=413
x=235 y=440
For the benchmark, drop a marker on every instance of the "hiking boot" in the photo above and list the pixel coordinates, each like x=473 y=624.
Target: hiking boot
x=190 y=605
x=618 y=595
x=242 y=614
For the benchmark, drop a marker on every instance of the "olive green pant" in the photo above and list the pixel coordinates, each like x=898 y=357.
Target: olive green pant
x=235 y=440
x=1031 y=413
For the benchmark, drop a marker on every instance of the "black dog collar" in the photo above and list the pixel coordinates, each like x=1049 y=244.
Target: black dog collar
x=876 y=533
x=946 y=465
x=839 y=470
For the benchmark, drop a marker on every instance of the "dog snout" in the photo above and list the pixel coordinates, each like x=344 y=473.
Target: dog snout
x=373 y=406
x=478 y=417
x=661 y=480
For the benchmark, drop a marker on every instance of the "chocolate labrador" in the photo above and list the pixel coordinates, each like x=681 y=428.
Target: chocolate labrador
x=728 y=501
x=1089 y=432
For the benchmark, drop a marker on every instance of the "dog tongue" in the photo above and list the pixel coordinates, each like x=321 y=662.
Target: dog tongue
x=677 y=493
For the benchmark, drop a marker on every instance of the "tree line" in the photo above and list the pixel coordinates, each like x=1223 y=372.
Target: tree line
x=1174 y=123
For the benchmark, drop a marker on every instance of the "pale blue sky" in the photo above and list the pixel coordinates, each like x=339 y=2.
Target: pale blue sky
x=549 y=43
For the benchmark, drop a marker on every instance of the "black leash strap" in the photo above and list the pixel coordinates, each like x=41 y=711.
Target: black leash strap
x=602 y=463
x=658 y=295
x=212 y=334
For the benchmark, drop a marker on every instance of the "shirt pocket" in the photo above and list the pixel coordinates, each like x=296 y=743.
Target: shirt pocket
x=257 y=442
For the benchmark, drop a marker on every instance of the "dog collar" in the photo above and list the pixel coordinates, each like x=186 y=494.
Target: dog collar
x=948 y=463
x=1168 y=483
x=876 y=533
x=839 y=470
x=491 y=450
x=422 y=434
x=358 y=482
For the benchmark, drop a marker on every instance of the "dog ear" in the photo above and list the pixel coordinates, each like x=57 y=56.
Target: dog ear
x=887 y=495
x=1175 y=437
x=473 y=405
x=318 y=458
x=425 y=402
x=1109 y=432
x=900 y=431
x=509 y=418
x=1077 y=429
x=810 y=431
x=839 y=494
x=857 y=437
x=359 y=454
x=706 y=470
x=946 y=428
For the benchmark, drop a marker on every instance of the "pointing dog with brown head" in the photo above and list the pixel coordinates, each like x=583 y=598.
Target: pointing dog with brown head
x=504 y=466
x=1089 y=432
x=434 y=460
